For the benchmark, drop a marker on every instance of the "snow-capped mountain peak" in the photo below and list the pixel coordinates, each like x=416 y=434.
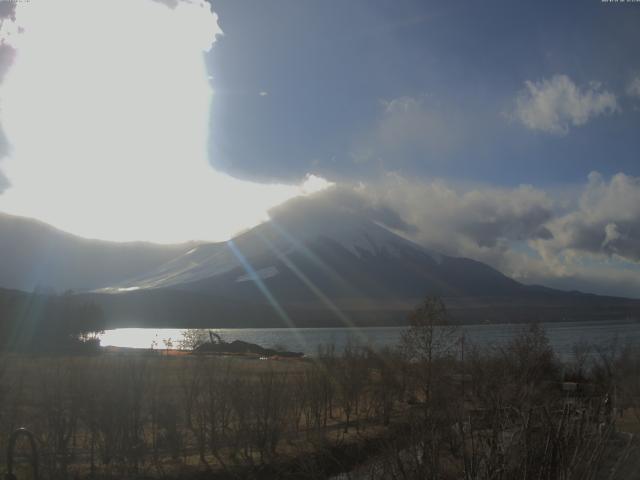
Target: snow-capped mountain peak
x=280 y=236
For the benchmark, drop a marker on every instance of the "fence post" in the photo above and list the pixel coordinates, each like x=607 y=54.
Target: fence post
x=13 y=440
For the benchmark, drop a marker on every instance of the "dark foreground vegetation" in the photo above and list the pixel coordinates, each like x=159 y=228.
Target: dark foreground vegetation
x=40 y=322
x=434 y=408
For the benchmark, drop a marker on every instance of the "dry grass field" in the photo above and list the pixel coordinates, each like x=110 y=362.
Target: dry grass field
x=415 y=412
x=157 y=415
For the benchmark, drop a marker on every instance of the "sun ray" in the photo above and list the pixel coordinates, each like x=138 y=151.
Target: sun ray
x=308 y=253
x=284 y=316
x=347 y=322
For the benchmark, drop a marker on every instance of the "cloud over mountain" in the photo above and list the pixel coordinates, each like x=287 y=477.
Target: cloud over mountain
x=447 y=218
x=606 y=221
x=528 y=233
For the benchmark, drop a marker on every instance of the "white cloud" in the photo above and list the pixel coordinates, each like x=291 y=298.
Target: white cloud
x=555 y=105
x=4 y=182
x=633 y=89
x=479 y=222
x=408 y=126
x=449 y=217
x=409 y=121
x=591 y=242
x=605 y=222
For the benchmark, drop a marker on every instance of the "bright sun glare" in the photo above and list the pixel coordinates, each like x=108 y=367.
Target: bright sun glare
x=106 y=108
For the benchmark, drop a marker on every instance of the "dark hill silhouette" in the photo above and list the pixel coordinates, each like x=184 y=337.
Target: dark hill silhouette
x=315 y=266
x=310 y=265
x=36 y=255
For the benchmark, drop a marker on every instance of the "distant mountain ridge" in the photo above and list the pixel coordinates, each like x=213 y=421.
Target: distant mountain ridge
x=316 y=266
x=339 y=254
x=36 y=255
x=310 y=266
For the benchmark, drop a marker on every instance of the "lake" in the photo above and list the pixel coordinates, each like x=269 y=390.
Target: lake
x=562 y=335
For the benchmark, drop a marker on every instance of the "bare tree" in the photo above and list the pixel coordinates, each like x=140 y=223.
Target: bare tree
x=430 y=337
x=193 y=338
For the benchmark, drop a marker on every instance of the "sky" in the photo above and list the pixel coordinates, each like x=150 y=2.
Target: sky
x=498 y=130
x=105 y=108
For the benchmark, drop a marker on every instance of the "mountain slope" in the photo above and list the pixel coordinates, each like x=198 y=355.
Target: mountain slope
x=34 y=254
x=308 y=266
x=337 y=255
x=314 y=266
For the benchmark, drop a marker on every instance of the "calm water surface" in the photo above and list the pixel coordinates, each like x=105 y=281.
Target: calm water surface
x=562 y=335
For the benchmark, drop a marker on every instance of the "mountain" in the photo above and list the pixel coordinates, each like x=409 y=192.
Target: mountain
x=304 y=251
x=36 y=255
x=311 y=265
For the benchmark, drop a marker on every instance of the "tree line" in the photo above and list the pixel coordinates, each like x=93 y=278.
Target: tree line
x=47 y=322
x=436 y=407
